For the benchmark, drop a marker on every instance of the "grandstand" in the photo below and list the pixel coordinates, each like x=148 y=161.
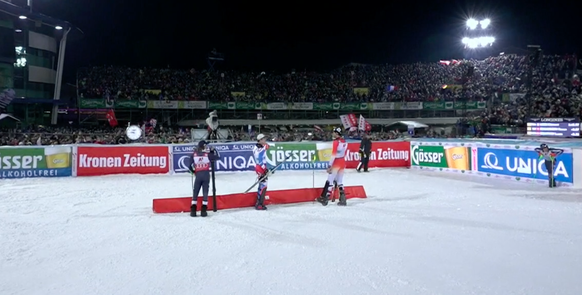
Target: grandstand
x=448 y=89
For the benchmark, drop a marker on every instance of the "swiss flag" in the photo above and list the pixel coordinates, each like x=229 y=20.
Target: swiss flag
x=111 y=118
x=363 y=125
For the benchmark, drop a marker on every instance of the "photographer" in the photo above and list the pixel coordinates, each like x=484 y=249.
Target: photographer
x=365 y=150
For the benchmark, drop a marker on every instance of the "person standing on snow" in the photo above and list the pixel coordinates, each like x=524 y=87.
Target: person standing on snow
x=549 y=156
x=337 y=165
x=200 y=167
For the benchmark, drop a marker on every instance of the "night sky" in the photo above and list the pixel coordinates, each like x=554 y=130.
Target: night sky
x=286 y=35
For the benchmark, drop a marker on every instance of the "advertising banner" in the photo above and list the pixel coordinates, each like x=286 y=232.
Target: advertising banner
x=450 y=157
x=35 y=162
x=302 y=156
x=100 y=103
x=518 y=164
x=383 y=155
x=233 y=157
x=105 y=160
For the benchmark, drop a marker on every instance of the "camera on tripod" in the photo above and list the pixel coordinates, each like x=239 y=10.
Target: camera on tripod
x=212 y=121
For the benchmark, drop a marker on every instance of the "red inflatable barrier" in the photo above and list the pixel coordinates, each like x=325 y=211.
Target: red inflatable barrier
x=232 y=201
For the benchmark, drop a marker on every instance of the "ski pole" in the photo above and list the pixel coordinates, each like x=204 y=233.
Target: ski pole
x=313 y=173
x=215 y=207
x=267 y=175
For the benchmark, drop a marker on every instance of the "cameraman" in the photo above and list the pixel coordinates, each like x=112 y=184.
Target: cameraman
x=365 y=149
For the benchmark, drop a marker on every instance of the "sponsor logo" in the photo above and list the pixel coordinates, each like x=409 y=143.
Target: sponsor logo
x=182 y=165
x=382 y=154
x=523 y=164
x=443 y=156
x=127 y=160
x=491 y=162
x=428 y=156
x=301 y=156
x=122 y=160
x=233 y=157
x=35 y=162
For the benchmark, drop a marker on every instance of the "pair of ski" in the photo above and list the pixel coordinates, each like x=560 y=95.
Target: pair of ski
x=262 y=178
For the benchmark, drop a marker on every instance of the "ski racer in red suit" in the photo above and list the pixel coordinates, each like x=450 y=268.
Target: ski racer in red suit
x=337 y=165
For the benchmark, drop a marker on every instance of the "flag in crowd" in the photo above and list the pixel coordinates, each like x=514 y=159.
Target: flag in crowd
x=111 y=118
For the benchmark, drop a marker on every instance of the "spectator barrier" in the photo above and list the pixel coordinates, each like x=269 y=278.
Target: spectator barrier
x=511 y=160
x=94 y=160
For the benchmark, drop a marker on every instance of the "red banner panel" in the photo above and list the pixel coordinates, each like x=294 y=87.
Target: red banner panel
x=92 y=161
x=384 y=154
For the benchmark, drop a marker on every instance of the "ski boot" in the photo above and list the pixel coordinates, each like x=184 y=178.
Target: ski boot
x=323 y=199
x=342 y=198
x=193 y=210
x=203 y=212
x=260 y=206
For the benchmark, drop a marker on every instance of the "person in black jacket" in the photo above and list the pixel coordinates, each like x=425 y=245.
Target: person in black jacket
x=549 y=156
x=365 y=150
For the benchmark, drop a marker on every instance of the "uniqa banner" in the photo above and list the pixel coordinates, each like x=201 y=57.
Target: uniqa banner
x=233 y=157
x=522 y=164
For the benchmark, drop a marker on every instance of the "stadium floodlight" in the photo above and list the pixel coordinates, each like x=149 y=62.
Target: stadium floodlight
x=479 y=42
x=485 y=23
x=22 y=17
x=472 y=23
x=58 y=27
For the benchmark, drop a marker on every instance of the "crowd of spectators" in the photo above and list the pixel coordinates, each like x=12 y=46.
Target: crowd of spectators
x=554 y=90
x=552 y=85
x=42 y=135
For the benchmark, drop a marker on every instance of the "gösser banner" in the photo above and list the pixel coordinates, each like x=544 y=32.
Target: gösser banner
x=443 y=156
x=522 y=164
x=35 y=162
x=104 y=160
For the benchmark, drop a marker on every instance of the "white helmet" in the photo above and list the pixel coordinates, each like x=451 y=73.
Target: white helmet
x=260 y=136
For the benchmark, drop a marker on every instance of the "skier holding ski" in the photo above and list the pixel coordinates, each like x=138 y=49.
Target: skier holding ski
x=336 y=168
x=549 y=156
x=200 y=167
x=260 y=155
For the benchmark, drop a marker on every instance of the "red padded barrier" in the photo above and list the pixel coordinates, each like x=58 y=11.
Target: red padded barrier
x=232 y=201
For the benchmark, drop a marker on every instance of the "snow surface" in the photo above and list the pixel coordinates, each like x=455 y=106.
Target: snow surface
x=417 y=233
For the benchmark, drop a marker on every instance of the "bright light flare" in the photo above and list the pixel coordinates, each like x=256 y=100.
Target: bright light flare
x=479 y=42
x=472 y=23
